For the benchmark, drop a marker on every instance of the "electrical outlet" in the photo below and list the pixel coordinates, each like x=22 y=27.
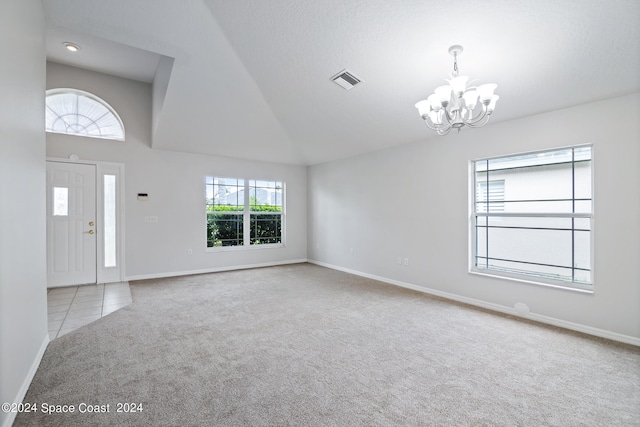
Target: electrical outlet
x=406 y=261
x=399 y=260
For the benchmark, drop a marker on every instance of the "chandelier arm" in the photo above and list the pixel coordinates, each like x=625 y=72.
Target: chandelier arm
x=484 y=121
x=479 y=125
x=442 y=132
x=469 y=113
x=429 y=123
x=478 y=119
x=444 y=129
x=448 y=117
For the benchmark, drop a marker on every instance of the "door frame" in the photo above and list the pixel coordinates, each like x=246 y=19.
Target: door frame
x=106 y=274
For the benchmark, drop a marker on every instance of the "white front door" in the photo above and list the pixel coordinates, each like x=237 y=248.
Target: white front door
x=71 y=219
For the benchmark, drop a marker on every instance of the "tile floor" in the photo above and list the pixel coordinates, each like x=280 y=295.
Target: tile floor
x=76 y=306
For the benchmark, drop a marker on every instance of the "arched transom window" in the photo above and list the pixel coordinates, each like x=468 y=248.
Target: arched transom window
x=75 y=112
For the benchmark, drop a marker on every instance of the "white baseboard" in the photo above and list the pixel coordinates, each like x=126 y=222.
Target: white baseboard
x=11 y=416
x=491 y=306
x=212 y=270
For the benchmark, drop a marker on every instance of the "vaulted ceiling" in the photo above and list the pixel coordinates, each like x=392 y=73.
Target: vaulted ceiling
x=251 y=79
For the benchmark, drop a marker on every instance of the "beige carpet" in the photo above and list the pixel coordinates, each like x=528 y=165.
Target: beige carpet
x=302 y=345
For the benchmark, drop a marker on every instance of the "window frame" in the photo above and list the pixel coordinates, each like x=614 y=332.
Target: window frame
x=247 y=215
x=474 y=214
x=90 y=96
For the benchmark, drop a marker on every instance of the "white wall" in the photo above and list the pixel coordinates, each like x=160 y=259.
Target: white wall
x=23 y=298
x=412 y=202
x=175 y=184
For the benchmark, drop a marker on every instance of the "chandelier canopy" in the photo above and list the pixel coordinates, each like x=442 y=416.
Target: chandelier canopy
x=457 y=104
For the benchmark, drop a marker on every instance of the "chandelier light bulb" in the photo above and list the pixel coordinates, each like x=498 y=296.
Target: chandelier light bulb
x=459 y=85
x=457 y=105
x=444 y=94
x=434 y=100
x=486 y=91
x=492 y=103
x=435 y=117
x=423 y=108
x=470 y=98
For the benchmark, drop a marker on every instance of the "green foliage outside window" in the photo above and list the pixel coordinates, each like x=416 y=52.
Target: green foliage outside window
x=224 y=229
x=225 y=224
x=266 y=228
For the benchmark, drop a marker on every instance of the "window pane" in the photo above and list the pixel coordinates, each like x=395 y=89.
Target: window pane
x=60 y=201
x=583 y=206
x=582 y=224
x=209 y=194
x=265 y=196
x=537 y=246
x=266 y=228
x=481 y=241
x=583 y=180
x=226 y=194
x=582 y=242
x=109 y=220
x=548 y=184
x=224 y=229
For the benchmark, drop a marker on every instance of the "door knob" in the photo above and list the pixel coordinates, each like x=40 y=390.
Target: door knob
x=91 y=224
x=90 y=231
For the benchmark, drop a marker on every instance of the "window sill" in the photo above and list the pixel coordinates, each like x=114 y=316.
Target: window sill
x=520 y=279
x=244 y=248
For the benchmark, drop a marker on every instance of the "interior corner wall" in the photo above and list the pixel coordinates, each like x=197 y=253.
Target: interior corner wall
x=23 y=295
x=175 y=184
x=413 y=202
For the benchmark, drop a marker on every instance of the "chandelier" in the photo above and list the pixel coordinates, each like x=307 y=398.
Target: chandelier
x=456 y=105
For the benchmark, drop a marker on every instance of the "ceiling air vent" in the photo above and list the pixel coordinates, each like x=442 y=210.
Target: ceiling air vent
x=346 y=79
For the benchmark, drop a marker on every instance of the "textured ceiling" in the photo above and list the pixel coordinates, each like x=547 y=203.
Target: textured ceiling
x=251 y=79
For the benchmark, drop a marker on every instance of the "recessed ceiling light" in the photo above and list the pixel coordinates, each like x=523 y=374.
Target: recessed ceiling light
x=72 y=47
